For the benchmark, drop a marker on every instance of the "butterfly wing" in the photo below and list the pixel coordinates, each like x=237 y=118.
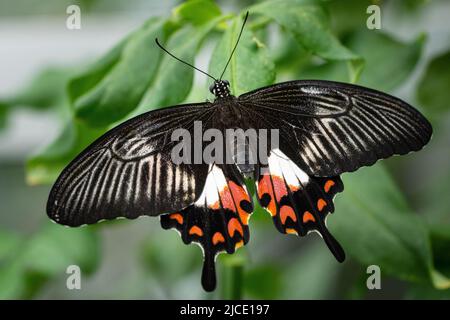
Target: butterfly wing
x=218 y=220
x=328 y=128
x=128 y=172
x=298 y=203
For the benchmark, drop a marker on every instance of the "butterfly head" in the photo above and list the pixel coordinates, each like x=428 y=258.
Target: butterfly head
x=220 y=88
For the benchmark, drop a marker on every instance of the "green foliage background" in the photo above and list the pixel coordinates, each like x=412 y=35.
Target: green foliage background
x=384 y=217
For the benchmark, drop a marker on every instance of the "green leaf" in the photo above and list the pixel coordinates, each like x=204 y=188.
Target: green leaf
x=8 y=243
x=433 y=90
x=377 y=227
x=45 y=166
x=174 y=80
x=250 y=66
x=270 y=288
x=383 y=69
x=159 y=261
x=196 y=12
x=85 y=81
x=349 y=15
x=4 y=110
x=45 y=90
x=45 y=256
x=388 y=68
x=121 y=88
x=312 y=274
x=309 y=22
x=440 y=242
x=56 y=247
x=231 y=276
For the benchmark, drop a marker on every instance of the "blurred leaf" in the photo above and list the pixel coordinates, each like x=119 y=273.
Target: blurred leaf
x=120 y=89
x=388 y=68
x=309 y=22
x=173 y=262
x=349 y=15
x=45 y=166
x=270 y=288
x=8 y=243
x=383 y=69
x=388 y=233
x=250 y=66
x=231 y=276
x=85 y=81
x=56 y=247
x=422 y=292
x=440 y=243
x=289 y=55
x=4 y=109
x=45 y=90
x=433 y=90
x=196 y=11
x=174 y=80
x=312 y=274
x=47 y=255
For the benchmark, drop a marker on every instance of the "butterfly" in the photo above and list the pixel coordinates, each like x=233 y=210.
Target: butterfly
x=325 y=129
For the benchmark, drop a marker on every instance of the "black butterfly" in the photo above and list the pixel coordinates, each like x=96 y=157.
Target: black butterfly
x=326 y=128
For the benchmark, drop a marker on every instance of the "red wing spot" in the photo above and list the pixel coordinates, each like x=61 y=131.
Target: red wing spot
x=279 y=187
x=239 y=194
x=233 y=226
x=321 y=203
x=285 y=212
x=265 y=187
x=328 y=185
x=196 y=230
x=217 y=238
x=293 y=188
x=307 y=216
x=177 y=216
x=227 y=199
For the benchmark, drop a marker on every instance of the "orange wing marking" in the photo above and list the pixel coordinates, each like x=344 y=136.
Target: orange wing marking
x=307 y=216
x=196 y=230
x=217 y=238
x=177 y=216
x=321 y=203
x=285 y=212
x=328 y=185
x=233 y=226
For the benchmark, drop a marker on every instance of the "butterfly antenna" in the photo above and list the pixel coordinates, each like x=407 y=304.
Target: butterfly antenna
x=235 y=46
x=186 y=63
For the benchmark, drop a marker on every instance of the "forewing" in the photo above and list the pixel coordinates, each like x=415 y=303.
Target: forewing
x=328 y=128
x=128 y=172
